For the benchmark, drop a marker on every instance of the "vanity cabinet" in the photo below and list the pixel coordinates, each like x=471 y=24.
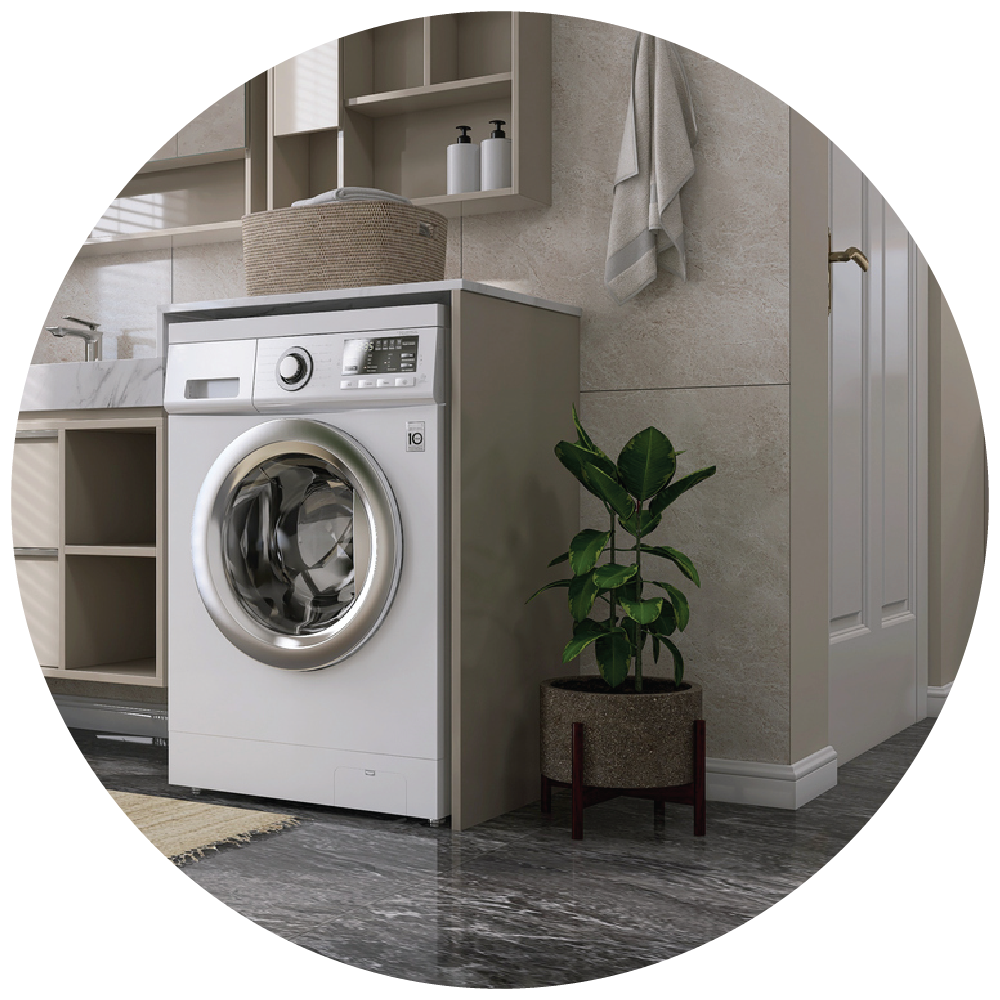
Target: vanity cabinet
x=89 y=542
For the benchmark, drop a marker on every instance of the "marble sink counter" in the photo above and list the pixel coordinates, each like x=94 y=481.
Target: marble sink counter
x=87 y=385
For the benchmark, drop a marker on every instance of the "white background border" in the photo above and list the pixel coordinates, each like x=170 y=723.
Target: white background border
x=907 y=91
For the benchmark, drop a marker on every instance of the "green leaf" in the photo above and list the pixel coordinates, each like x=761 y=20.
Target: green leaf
x=582 y=594
x=549 y=586
x=681 y=610
x=670 y=493
x=644 y=612
x=678 y=661
x=647 y=522
x=612 y=575
x=559 y=559
x=584 y=633
x=647 y=463
x=585 y=549
x=680 y=560
x=604 y=487
x=584 y=439
x=666 y=623
x=576 y=459
x=614 y=654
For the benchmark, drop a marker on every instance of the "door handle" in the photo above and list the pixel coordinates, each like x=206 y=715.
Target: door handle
x=840 y=257
x=851 y=253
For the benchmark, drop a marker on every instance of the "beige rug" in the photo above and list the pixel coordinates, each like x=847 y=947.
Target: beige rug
x=183 y=831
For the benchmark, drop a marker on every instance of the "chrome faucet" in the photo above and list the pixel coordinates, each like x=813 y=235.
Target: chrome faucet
x=90 y=335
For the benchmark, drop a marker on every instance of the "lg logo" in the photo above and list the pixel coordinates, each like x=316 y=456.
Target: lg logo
x=415 y=435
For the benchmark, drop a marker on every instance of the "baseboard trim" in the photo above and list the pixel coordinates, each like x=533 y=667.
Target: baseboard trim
x=936 y=698
x=109 y=715
x=781 y=786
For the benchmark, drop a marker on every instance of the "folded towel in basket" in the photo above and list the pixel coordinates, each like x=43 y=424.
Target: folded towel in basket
x=351 y=194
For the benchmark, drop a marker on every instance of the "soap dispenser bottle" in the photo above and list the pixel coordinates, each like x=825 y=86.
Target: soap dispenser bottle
x=495 y=159
x=463 y=163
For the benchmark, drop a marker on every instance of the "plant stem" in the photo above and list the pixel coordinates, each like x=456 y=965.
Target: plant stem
x=639 y=634
x=614 y=590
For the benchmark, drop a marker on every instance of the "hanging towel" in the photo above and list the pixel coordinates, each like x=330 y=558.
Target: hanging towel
x=351 y=194
x=654 y=163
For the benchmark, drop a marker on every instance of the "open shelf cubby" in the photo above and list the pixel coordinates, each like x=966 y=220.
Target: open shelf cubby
x=111 y=614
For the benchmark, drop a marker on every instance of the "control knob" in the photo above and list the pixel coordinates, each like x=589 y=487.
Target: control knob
x=294 y=368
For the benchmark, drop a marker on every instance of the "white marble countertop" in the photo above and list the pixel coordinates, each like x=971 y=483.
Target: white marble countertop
x=88 y=385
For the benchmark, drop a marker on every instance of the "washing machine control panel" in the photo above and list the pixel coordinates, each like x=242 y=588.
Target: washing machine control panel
x=387 y=368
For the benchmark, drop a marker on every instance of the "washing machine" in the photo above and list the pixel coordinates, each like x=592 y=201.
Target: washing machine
x=307 y=581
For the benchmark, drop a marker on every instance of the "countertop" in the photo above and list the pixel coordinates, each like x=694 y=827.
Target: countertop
x=89 y=385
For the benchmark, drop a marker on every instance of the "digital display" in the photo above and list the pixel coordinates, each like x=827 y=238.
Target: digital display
x=380 y=355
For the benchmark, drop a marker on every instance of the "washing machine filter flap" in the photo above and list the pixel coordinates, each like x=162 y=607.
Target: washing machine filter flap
x=296 y=544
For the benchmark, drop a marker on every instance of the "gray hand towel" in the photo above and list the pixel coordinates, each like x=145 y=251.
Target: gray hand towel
x=654 y=163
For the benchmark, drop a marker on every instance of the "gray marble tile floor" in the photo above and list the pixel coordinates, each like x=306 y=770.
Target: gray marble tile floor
x=515 y=902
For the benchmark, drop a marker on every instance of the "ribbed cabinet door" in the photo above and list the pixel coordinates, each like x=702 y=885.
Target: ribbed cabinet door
x=34 y=499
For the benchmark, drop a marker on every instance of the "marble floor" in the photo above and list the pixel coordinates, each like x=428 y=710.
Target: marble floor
x=515 y=902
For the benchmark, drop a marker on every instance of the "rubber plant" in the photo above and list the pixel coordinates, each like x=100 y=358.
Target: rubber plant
x=635 y=491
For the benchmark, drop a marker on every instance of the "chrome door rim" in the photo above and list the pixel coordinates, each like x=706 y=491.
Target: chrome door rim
x=351 y=461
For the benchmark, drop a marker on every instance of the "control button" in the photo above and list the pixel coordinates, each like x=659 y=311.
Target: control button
x=383 y=383
x=407 y=355
x=366 y=383
x=294 y=368
x=347 y=383
x=404 y=381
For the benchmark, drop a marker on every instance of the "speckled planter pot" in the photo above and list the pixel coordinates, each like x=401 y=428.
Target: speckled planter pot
x=629 y=740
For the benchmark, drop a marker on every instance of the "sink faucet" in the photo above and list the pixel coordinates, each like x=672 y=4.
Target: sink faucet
x=90 y=335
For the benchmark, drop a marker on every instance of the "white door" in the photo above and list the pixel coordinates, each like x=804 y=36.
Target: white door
x=878 y=459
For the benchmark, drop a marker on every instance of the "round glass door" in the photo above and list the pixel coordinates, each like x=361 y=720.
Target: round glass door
x=296 y=544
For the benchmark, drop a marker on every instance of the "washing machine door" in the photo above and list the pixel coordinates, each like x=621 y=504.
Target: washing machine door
x=296 y=544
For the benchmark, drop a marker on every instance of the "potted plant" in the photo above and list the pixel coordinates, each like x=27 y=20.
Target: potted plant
x=636 y=730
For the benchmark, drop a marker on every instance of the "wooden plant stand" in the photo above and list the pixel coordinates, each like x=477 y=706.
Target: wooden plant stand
x=691 y=794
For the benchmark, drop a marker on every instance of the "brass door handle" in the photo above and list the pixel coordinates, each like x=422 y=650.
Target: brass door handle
x=840 y=257
x=851 y=253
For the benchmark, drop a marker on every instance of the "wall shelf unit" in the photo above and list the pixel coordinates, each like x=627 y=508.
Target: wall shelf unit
x=89 y=542
x=405 y=87
x=374 y=109
x=199 y=185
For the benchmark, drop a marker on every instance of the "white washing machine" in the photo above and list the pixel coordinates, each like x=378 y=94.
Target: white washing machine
x=306 y=561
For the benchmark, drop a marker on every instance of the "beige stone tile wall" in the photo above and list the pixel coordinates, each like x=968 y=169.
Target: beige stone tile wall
x=705 y=360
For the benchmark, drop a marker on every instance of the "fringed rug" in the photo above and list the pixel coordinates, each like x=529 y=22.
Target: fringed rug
x=184 y=831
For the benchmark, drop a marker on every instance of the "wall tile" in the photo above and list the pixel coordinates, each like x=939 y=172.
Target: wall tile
x=728 y=324
x=734 y=526
x=209 y=271
x=121 y=292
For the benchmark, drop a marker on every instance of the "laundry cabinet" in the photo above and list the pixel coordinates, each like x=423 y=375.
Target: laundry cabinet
x=88 y=532
x=439 y=402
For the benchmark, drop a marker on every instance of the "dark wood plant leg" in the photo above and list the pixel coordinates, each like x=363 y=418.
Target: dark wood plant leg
x=577 y=781
x=546 y=796
x=699 y=778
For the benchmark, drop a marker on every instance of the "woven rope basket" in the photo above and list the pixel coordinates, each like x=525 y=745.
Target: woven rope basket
x=347 y=245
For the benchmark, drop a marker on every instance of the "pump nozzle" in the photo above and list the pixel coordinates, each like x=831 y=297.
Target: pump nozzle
x=464 y=137
x=498 y=132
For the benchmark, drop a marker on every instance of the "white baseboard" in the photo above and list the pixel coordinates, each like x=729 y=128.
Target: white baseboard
x=109 y=715
x=936 y=697
x=782 y=786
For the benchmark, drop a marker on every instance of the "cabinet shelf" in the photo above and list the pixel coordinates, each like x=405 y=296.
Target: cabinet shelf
x=452 y=93
x=164 y=239
x=136 y=551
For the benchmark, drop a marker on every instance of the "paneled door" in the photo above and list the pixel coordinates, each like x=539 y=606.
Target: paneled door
x=878 y=469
